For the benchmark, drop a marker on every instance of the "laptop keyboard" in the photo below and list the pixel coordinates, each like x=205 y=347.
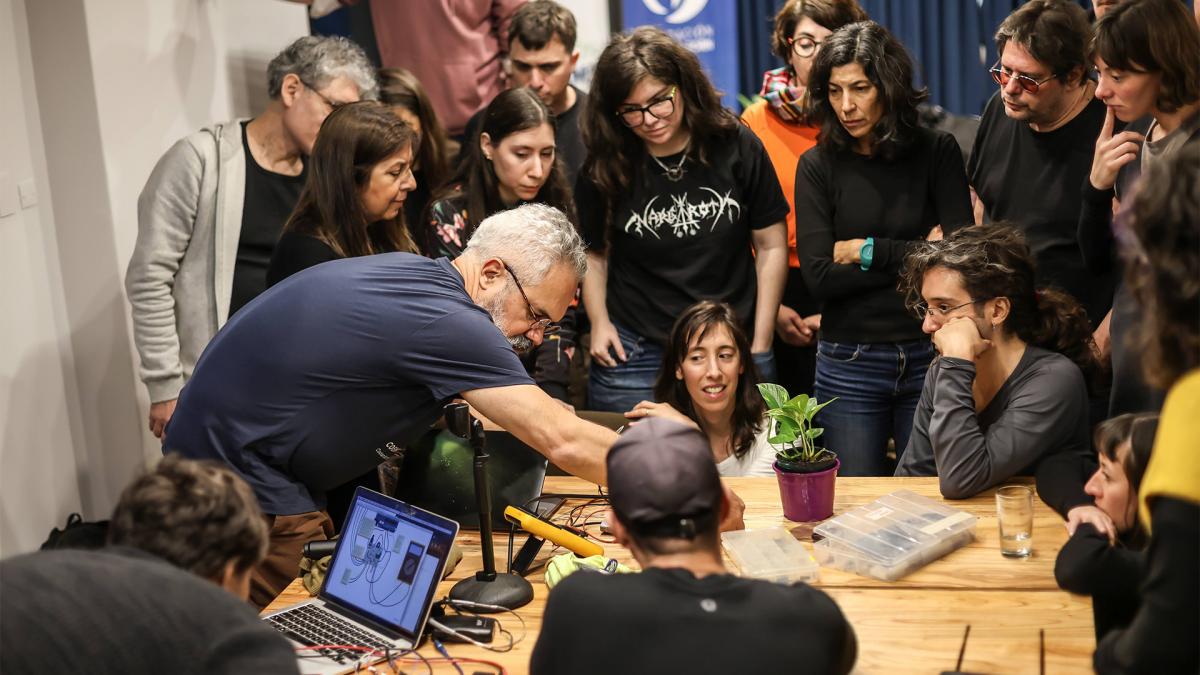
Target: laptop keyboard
x=312 y=625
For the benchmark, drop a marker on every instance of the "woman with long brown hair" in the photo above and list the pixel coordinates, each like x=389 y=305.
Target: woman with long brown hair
x=678 y=203
x=352 y=205
x=435 y=154
x=512 y=160
x=707 y=378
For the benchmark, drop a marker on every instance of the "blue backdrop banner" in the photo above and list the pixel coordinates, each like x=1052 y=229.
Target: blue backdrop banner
x=707 y=27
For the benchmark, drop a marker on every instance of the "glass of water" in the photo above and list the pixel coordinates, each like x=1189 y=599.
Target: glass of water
x=1014 y=510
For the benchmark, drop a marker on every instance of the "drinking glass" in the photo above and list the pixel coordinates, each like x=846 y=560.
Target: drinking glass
x=1014 y=511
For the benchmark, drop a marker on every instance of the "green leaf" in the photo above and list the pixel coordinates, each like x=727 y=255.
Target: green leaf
x=775 y=395
x=818 y=408
x=799 y=402
x=813 y=433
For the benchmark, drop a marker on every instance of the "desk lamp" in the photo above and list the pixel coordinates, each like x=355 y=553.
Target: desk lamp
x=488 y=587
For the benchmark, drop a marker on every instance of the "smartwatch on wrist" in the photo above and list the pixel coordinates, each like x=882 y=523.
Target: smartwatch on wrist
x=866 y=253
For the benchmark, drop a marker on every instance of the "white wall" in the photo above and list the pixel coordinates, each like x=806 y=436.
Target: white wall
x=102 y=88
x=37 y=435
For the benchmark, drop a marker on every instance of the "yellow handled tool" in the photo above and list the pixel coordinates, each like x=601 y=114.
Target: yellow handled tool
x=550 y=532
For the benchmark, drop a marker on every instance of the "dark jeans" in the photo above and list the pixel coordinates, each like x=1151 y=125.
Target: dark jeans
x=632 y=381
x=878 y=386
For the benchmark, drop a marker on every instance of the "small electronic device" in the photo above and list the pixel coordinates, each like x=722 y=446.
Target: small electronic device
x=460 y=627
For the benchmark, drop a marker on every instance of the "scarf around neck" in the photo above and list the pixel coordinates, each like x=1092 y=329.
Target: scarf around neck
x=786 y=100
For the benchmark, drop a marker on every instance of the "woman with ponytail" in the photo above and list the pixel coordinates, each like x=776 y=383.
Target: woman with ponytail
x=1009 y=386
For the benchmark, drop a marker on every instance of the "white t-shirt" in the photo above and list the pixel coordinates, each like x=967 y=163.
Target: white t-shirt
x=757 y=461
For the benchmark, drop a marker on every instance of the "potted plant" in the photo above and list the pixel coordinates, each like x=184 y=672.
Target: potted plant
x=806 y=471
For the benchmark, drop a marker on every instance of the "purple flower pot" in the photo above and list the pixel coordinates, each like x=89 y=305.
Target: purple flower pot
x=807 y=496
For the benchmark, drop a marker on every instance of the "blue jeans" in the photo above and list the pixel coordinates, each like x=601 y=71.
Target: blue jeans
x=632 y=381
x=878 y=386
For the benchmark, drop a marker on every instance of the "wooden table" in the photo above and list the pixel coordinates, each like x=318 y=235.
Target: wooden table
x=913 y=625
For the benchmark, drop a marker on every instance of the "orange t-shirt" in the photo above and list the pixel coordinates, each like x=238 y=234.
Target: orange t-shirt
x=784 y=143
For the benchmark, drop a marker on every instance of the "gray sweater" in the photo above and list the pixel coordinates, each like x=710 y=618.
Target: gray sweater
x=1041 y=408
x=180 y=278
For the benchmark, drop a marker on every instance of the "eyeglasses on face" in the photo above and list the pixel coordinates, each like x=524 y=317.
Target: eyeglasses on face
x=540 y=321
x=660 y=108
x=1002 y=77
x=804 y=46
x=941 y=311
x=333 y=105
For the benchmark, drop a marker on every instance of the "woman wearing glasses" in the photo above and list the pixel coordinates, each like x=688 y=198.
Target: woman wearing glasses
x=513 y=160
x=781 y=122
x=1009 y=387
x=352 y=205
x=875 y=184
x=678 y=203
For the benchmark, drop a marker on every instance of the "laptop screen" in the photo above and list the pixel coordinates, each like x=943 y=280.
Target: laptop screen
x=388 y=561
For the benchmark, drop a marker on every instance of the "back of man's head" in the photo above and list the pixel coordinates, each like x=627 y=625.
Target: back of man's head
x=198 y=516
x=536 y=23
x=532 y=237
x=664 y=487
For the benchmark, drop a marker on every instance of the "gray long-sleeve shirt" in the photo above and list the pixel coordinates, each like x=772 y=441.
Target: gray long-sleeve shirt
x=1042 y=408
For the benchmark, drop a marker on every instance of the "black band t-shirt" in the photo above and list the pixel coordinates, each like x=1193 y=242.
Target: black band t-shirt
x=674 y=243
x=270 y=199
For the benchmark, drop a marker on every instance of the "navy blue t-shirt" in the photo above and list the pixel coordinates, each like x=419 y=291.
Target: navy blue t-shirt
x=334 y=369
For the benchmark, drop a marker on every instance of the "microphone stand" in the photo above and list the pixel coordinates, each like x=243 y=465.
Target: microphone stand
x=488 y=587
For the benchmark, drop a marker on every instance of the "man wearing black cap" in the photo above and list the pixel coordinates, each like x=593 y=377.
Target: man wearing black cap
x=684 y=612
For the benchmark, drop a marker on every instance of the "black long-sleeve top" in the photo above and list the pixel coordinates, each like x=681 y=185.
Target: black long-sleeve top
x=1162 y=638
x=843 y=195
x=1061 y=477
x=1110 y=573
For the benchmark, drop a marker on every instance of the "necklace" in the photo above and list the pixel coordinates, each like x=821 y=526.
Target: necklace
x=674 y=173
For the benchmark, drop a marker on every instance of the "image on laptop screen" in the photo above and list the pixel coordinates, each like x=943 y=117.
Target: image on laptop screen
x=389 y=561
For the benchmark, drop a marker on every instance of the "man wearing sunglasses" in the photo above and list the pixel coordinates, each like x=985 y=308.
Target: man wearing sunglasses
x=336 y=369
x=1033 y=150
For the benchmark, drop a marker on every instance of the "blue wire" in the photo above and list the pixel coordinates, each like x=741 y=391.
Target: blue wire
x=437 y=644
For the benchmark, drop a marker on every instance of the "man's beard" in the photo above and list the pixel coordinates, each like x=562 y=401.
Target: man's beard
x=495 y=308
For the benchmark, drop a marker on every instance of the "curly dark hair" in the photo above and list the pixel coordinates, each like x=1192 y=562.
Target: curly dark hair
x=615 y=154
x=1161 y=237
x=1154 y=36
x=692 y=326
x=511 y=111
x=199 y=516
x=888 y=66
x=353 y=139
x=994 y=261
x=832 y=14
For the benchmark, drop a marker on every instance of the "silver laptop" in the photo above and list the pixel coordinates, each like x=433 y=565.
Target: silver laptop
x=379 y=588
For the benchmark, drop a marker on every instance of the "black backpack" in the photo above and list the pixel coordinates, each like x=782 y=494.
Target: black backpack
x=78 y=533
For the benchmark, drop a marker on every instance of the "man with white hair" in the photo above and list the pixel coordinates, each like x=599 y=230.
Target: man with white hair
x=214 y=205
x=338 y=367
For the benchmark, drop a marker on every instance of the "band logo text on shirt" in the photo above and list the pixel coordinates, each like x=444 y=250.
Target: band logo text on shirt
x=686 y=218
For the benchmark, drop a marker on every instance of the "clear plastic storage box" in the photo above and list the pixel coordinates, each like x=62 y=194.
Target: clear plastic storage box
x=772 y=554
x=892 y=536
